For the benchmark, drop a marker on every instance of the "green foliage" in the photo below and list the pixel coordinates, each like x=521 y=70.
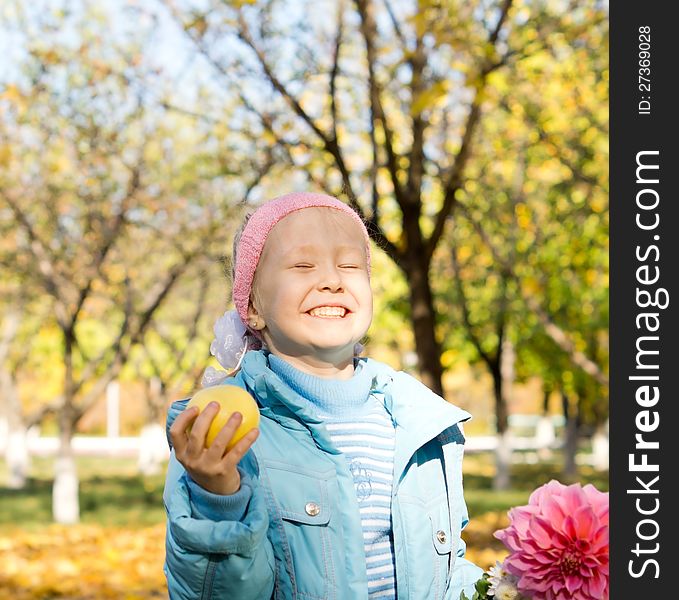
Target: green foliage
x=533 y=216
x=481 y=588
x=390 y=338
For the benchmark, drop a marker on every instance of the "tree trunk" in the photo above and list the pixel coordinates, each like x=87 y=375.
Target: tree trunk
x=16 y=444
x=153 y=449
x=503 y=461
x=545 y=435
x=423 y=317
x=65 y=503
x=600 y=447
x=503 y=376
x=570 y=467
x=17 y=457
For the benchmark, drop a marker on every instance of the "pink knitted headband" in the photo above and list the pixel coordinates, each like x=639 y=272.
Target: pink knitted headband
x=259 y=226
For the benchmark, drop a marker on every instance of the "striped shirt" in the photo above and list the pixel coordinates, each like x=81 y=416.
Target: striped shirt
x=367 y=441
x=361 y=428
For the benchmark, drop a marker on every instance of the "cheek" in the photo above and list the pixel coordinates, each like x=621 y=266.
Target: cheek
x=367 y=293
x=366 y=299
x=278 y=297
x=369 y=309
x=262 y=298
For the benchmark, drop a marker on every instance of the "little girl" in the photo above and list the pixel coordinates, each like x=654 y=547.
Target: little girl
x=351 y=487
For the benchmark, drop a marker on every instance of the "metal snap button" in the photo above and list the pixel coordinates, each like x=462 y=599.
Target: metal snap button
x=312 y=509
x=441 y=536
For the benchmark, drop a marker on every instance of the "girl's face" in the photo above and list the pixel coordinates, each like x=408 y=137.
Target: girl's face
x=311 y=292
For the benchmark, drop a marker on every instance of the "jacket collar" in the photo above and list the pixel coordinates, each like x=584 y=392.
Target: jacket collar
x=280 y=402
x=418 y=413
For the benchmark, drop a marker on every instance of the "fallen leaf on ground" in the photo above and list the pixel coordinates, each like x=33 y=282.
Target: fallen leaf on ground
x=83 y=562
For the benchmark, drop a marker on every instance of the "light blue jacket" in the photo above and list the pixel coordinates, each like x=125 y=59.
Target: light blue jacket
x=265 y=542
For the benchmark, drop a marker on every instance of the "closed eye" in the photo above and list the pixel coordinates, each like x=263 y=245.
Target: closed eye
x=303 y=266
x=348 y=266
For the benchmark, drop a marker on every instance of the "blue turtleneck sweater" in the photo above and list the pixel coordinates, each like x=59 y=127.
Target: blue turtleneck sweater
x=361 y=428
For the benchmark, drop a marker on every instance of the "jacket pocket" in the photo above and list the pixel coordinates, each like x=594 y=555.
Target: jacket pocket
x=303 y=499
x=304 y=512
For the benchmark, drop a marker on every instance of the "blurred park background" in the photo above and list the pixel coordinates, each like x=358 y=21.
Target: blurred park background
x=135 y=134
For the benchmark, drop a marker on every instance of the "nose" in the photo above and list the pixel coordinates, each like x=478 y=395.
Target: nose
x=330 y=280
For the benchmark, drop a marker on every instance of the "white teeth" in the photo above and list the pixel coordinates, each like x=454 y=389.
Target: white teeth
x=328 y=311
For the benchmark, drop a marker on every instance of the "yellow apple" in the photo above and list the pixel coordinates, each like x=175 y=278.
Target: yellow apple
x=231 y=399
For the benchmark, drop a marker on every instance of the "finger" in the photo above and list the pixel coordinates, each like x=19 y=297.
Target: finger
x=178 y=430
x=222 y=439
x=200 y=428
x=236 y=453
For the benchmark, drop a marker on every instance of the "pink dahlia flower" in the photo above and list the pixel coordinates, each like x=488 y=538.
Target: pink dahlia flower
x=558 y=543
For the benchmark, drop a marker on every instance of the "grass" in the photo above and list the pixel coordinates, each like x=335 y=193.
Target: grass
x=112 y=493
x=482 y=498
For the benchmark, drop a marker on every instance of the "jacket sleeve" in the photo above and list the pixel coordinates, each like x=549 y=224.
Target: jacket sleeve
x=465 y=573
x=216 y=546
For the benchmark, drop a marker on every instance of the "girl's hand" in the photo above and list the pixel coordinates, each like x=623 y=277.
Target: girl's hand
x=211 y=468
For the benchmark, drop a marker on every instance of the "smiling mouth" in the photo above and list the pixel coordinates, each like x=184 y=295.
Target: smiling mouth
x=328 y=312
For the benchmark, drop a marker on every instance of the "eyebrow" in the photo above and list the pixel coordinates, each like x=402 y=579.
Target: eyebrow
x=312 y=248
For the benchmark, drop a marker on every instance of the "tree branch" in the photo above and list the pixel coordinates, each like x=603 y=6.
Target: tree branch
x=369 y=32
x=397 y=27
x=244 y=35
x=464 y=305
x=335 y=67
x=454 y=179
x=122 y=350
x=55 y=284
x=329 y=142
x=110 y=237
x=558 y=335
x=418 y=62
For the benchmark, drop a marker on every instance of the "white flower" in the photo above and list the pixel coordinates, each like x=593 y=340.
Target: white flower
x=506 y=590
x=497 y=573
x=502 y=583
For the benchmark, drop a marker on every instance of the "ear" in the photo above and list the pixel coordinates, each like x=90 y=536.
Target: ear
x=255 y=320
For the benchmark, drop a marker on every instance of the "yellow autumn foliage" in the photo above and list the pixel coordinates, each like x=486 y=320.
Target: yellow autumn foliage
x=482 y=548
x=83 y=562
x=92 y=562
